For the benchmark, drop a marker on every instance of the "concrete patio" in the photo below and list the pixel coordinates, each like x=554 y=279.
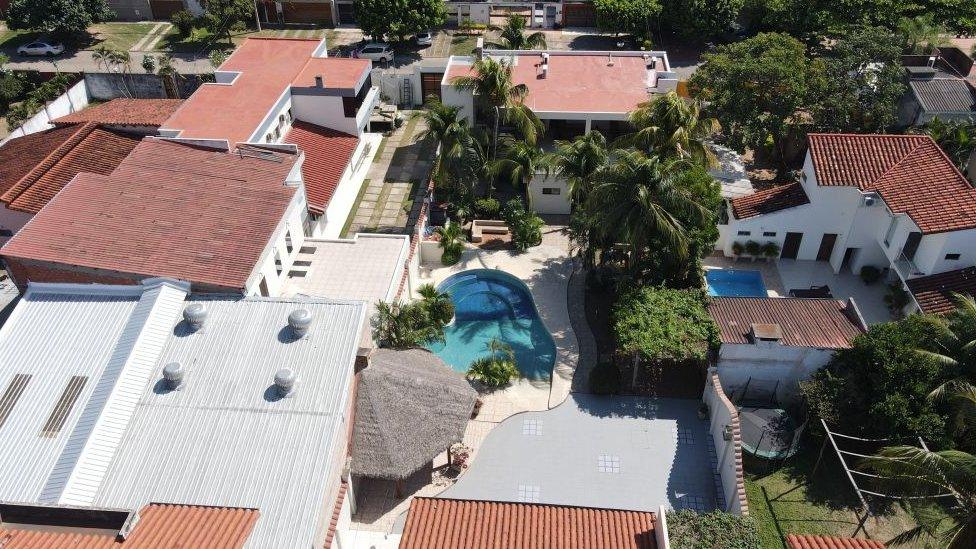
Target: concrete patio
x=598 y=451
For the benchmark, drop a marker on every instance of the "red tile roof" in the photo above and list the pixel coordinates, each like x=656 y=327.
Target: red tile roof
x=934 y=293
x=796 y=541
x=337 y=72
x=821 y=323
x=160 y=526
x=88 y=149
x=439 y=523
x=910 y=173
x=769 y=201
x=577 y=83
x=125 y=112
x=21 y=155
x=327 y=153
x=168 y=210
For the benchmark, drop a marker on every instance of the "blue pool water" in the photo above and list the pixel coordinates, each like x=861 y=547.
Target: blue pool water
x=490 y=303
x=735 y=283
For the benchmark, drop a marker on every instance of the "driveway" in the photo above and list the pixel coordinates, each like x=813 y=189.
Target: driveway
x=596 y=451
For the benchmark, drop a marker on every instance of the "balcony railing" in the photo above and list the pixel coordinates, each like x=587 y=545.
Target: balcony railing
x=906 y=267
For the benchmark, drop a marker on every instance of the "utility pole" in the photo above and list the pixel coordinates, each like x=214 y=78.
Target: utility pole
x=257 y=18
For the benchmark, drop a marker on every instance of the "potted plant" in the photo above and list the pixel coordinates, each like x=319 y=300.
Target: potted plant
x=770 y=250
x=737 y=250
x=896 y=299
x=754 y=249
x=870 y=274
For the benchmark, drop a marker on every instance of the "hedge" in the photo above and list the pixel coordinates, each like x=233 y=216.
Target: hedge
x=690 y=530
x=665 y=324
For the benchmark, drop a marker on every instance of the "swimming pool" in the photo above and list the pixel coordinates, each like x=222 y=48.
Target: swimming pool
x=735 y=283
x=490 y=303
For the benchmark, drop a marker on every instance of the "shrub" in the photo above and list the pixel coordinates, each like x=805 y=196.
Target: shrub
x=405 y=325
x=870 y=274
x=452 y=242
x=690 y=530
x=770 y=249
x=439 y=305
x=738 y=248
x=524 y=224
x=183 y=21
x=487 y=208
x=496 y=369
x=896 y=299
x=149 y=64
x=605 y=379
x=753 y=248
x=11 y=88
x=664 y=324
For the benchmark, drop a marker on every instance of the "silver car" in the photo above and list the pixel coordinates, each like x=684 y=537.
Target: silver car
x=377 y=52
x=40 y=47
x=425 y=38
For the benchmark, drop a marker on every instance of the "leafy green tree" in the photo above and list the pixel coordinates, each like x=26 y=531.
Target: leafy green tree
x=66 y=19
x=632 y=17
x=921 y=474
x=398 y=18
x=671 y=127
x=689 y=529
x=757 y=89
x=701 y=18
x=513 y=36
x=921 y=34
x=864 y=82
x=956 y=138
x=224 y=15
x=660 y=324
x=523 y=223
x=578 y=161
x=879 y=387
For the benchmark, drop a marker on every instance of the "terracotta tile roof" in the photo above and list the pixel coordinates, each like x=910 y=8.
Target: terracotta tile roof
x=910 y=173
x=439 y=523
x=89 y=149
x=934 y=293
x=796 y=541
x=769 y=201
x=327 y=153
x=168 y=210
x=21 y=155
x=821 y=323
x=337 y=72
x=160 y=526
x=125 y=112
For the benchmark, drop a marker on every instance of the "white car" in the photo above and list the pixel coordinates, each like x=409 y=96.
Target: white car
x=376 y=52
x=425 y=38
x=39 y=47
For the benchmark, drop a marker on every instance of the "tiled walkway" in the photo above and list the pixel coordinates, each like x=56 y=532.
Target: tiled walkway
x=391 y=199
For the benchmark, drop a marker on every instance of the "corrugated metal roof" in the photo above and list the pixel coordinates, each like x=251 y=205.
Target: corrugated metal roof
x=440 y=523
x=58 y=332
x=821 y=323
x=225 y=438
x=944 y=95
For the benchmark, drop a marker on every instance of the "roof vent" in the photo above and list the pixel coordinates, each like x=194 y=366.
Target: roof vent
x=284 y=381
x=609 y=58
x=173 y=374
x=766 y=332
x=299 y=320
x=195 y=314
x=319 y=82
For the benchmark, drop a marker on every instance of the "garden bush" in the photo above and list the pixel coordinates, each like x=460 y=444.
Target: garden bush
x=690 y=530
x=487 y=208
x=664 y=324
x=870 y=274
x=605 y=379
x=183 y=20
x=498 y=368
x=524 y=224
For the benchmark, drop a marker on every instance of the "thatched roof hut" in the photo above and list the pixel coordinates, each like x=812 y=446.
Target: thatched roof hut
x=410 y=407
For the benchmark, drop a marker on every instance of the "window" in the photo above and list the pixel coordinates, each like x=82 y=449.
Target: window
x=551 y=190
x=288 y=245
x=350 y=105
x=769 y=233
x=278 y=267
x=59 y=415
x=952 y=257
x=744 y=233
x=281 y=119
x=290 y=115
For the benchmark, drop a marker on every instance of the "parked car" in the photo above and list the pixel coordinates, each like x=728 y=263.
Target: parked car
x=376 y=52
x=425 y=38
x=40 y=47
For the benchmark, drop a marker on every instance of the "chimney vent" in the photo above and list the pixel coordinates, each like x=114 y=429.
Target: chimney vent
x=766 y=332
x=319 y=82
x=195 y=314
x=299 y=320
x=173 y=374
x=284 y=381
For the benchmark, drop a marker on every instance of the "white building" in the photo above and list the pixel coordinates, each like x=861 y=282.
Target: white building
x=572 y=92
x=894 y=202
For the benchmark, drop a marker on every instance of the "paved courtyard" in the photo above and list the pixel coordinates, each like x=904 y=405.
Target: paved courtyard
x=598 y=451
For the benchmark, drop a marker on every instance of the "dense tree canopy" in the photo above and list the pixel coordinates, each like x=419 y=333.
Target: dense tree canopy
x=398 y=18
x=65 y=19
x=698 y=18
x=224 y=15
x=626 y=16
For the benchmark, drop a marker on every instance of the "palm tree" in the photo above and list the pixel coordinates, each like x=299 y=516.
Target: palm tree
x=491 y=83
x=405 y=325
x=513 y=36
x=439 y=305
x=452 y=242
x=519 y=162
x=636 y=200
x=450 y=130
x=920 y=473
x=921 y=33
x=577 y=161
x=956 y=138
x=672 y=127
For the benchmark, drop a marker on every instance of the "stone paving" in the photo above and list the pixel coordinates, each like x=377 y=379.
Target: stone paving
x=393 y=193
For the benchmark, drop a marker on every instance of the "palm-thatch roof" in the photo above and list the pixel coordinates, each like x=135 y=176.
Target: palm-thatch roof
x=410 y=407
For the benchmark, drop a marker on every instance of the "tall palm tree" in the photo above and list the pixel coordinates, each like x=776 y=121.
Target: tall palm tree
x=956 y=138
x=578 y=161
x=520 y=161
x=513 y=36
x=445 y=126
x=636 y=200
x=671 y=126
x=922 y=473
x=439 y=304
x=491 y=83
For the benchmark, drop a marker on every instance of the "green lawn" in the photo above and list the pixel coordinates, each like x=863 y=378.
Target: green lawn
x=12 y=39
x=118 y=36
x=788 y=501
x=463 y=45
x=201 y=40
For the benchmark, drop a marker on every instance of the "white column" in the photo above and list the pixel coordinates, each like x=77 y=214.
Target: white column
x=588 y=124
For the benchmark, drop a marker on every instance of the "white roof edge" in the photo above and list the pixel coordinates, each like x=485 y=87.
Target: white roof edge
x=129 y=290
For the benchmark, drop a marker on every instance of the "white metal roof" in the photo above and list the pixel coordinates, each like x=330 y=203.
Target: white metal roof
x=225 y=438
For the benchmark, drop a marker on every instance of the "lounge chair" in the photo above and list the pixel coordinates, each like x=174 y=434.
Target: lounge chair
x=813 y=292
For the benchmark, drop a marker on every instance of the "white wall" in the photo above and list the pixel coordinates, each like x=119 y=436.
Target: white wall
x=549 y=203
x=12 y=221
x=458 y=98
x=75 y=99
x=290 y=224
x=323 y=110
x=738 y=363
x=340 y=207
x=729 y=452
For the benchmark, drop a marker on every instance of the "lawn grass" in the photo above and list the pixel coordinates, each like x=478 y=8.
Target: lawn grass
x=118 y=36
x=355 y=209
x=463 y=45
x=788 y=501
x=201 y=40
x=13 y=38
